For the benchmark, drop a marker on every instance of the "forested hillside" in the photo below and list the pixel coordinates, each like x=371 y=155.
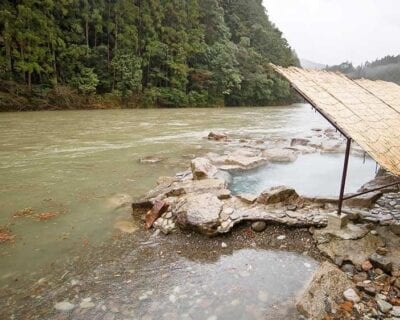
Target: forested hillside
x=139 y=53
x=387 y=69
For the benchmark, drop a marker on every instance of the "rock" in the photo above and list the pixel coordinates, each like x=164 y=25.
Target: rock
x=64 y=306
x=348 y=268
x=381 y=181
x=395 y=311
x=364 y=201
x=202 y=168
x=247 y=198
x=150 y=160
x=152 y=215
x=224 y=245
x=397 y=283
x=356 y=251
x=381 y=262
x=259 y=226
x=326 y=287
x=165 y=226
x=217 y=136
x=351 y=295
x=360 y=277
x=299 y=142
x=281 y=237
x=280 y=155
x=245 y=162
x=199 y=212
x=384 y=306
x=223 y=194
x=366 y=265
x=382 y=251
x=189 y=187
x=86 y=305
x=277 y=194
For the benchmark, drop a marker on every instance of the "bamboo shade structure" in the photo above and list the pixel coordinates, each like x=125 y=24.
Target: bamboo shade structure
x=366 y=111
x=389 y=92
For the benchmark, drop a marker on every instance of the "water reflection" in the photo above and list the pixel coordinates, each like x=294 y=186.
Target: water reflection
x=310 y=175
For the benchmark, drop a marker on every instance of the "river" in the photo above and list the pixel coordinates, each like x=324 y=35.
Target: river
x=80 y=164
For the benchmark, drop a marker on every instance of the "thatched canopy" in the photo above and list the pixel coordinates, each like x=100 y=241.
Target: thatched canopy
x=366 y=111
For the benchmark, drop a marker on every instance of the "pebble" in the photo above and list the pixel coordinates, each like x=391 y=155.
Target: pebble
x=224 y=245
x=395 y=311
x=64 y=306
x=366 y=265
x=259 y=226
x=384 y=306
x=351 y=295
x=281 y=237
x=86 y=305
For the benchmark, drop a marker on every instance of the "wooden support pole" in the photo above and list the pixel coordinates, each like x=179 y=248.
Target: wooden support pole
x=344 y=176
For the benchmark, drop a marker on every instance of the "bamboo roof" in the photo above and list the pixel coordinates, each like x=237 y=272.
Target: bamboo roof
x=366 y=111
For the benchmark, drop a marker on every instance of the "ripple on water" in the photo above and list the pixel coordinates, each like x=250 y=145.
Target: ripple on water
x=249 y=284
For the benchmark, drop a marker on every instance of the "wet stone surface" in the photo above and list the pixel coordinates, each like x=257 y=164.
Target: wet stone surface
x=181 y=276
x=386 y=211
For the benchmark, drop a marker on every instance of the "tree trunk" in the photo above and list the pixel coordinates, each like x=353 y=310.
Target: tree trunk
x=30 y=81
x=87 y=36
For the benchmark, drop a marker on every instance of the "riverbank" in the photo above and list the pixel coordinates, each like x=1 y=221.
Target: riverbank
x=17 y=97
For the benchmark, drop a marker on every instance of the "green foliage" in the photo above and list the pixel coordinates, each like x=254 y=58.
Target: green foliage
x=86 y=81
x=170 y=53
x=387 y=69
x=128 y=73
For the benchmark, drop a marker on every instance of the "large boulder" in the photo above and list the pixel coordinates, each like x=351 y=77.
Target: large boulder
x=280 y=155
x=279 y=194
x=324 y=291
x=199 y=212
x=381 y=180
x=202 y=168
x=356 y=251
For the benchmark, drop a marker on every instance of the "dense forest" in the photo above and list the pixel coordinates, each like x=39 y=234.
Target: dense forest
x=168 y=53
x=387 y=69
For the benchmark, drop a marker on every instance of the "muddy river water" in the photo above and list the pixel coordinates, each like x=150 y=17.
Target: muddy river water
x=81 y=165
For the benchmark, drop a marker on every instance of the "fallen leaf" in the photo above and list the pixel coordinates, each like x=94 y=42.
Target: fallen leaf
x=6 y=235
x=45 y=216
x=27 y=212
